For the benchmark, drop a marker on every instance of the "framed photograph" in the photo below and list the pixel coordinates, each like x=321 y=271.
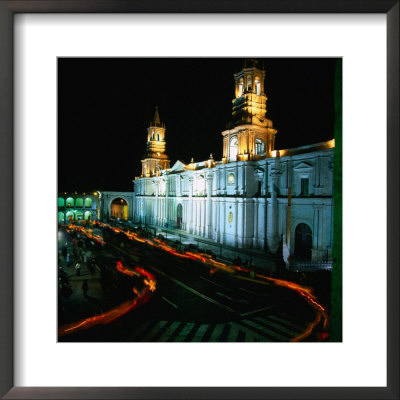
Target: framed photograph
x=191 y=172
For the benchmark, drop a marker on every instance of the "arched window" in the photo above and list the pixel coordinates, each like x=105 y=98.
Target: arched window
x=79 y=202
x=60 y=217
x=70 y=216
x=61 y=202
x=88 y=202
x=70 y=202
x=79 y=215
x=240 y=87
x=152 y=135
x=258 y=85
x=88 y=215
x=248 y=83
x=233 y=149
x=260 y=147
x=158 y=136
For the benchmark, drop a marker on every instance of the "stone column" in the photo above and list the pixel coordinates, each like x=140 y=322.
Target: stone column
x=240 y=222
x=318 y=252
x=155 y=212
x=273 y=240
x=196 y=215
x=264 y=187
x=223 y=215
x=190 y=210
x=255 y=234
x=217 y=222
x=209 y=181
x=235 y=222
x=236 y=180
x=166 y=200
x=203 y=217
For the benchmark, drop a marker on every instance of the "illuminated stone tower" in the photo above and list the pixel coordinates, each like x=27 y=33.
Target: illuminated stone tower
x=155 y=159
x=249 y=135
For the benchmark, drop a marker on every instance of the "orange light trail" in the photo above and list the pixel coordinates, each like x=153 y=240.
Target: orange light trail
x=122 y=309
x=214 y=265
x=86 y=232
x=311 y=299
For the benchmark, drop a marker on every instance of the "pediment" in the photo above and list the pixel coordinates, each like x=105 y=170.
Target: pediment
x=179 y=166
x=303 y=166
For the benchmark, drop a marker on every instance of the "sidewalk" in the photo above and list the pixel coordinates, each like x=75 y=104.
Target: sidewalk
x=77 y=306
x=225 y=253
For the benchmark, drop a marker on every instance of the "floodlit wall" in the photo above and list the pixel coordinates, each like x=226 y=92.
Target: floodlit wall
x=245 y=203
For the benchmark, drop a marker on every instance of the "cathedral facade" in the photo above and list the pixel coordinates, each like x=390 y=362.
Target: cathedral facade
x=256 y=196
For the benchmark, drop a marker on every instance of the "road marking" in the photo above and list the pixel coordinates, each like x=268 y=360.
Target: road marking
x=168 y=333
x=169 y=302
x=233 y=333
x=250 y=335
x=214 y=283
x=267 y=331
x=200 y=333
x=184 y=332
x=203 y=296
x=216 y=333
x=256 y=311
x=286 y=322
x=153 y=331
x=277 y=326
x=224 y=295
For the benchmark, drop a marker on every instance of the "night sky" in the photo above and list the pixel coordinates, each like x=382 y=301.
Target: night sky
x=105 y=105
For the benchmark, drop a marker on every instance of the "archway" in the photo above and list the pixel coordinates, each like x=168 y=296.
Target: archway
x=70 y=216
x=60 y=216
x=303 y=242
x=119 y=209
x=79 y=202
x=78 y=215
x=70 y=202
x=179 y=214
x=88 y=215
x=61 y=202
x=233 y=149
x=88 y=202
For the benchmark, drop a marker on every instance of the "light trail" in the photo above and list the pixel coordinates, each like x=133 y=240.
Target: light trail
x=142 y=297
x=214 y=265
x=306 y=292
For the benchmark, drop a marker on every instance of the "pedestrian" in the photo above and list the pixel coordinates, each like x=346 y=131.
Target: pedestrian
x=85 y=288
x=91 y=265
x=78 y=269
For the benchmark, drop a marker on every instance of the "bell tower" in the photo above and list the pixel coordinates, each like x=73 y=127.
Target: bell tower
x=155 y=158
x=249 y=135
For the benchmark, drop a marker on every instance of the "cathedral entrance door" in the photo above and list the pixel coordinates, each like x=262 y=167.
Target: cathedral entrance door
x=179 y=212
x=303 y=242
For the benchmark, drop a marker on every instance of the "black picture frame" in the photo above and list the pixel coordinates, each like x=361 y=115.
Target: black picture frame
x=7 y=11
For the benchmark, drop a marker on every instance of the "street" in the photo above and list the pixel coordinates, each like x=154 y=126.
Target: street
x=193 y=301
